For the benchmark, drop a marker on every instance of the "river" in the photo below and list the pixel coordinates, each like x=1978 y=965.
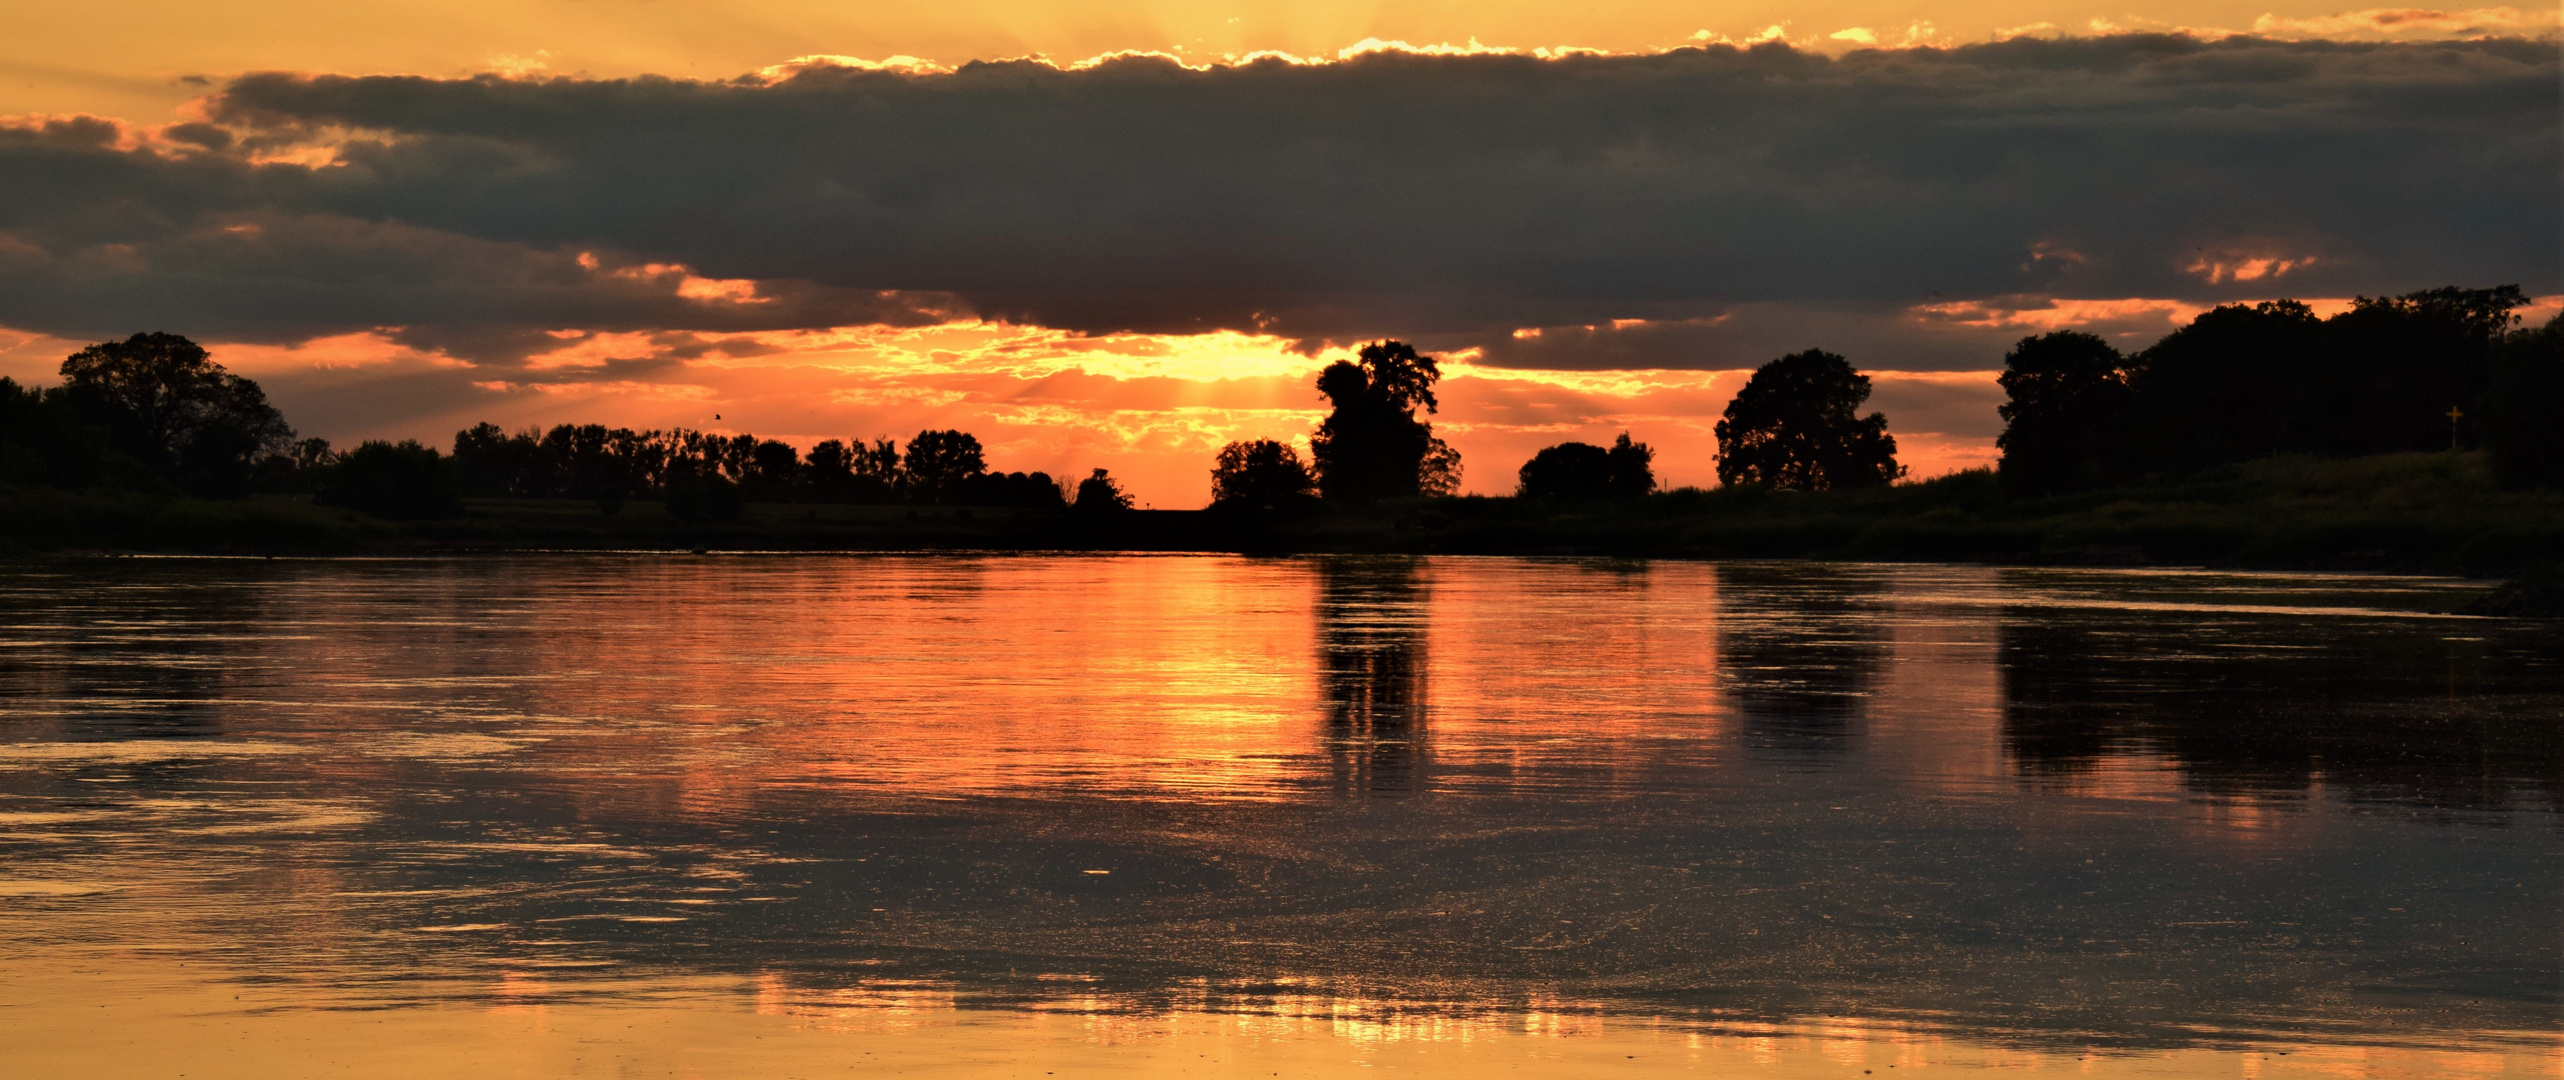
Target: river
x=642 y=815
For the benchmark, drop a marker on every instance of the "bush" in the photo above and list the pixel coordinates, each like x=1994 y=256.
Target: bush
x=402 y=481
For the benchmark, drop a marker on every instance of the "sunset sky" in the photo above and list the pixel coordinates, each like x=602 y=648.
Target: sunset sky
x=1122 y=234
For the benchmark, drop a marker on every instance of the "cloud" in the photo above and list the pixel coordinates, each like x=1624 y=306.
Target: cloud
x=2393 y=23
x=1453 y=197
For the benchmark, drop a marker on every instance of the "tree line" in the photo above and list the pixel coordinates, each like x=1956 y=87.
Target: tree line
x=154 y=413
x=2440 y=369
x=707 y=476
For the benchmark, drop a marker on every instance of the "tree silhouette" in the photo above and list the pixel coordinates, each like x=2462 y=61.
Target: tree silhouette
x=1100 y=494
x=2522 y=434
x=1035 y=490
x=1797 y=424
x=166 y=404
x=1438 y=475
x=857 y=473
x=1582 y=471
x=1261 y=473
x=1567 y=471
x=1372 y=446
x=2067 y=420
x=2238 y=382
x=2248 y=381
x=1633 y=471
x=402 y=481
x=2394 y=366
x=940 y=463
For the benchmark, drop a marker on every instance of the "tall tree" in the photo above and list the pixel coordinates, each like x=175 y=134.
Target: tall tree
x=1633 y=471
x=2067 y=418
x=940 y=463
x=167 y=404
x=1371 y=446
x=1797 y=424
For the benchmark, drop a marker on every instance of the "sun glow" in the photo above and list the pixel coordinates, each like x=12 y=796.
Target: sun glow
x=1154 y=408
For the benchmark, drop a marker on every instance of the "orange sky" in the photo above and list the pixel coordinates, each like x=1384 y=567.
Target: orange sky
x=1153 y=408
x=129 y=57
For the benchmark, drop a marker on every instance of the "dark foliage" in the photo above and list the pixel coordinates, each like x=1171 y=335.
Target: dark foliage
x=612 y=465
x=1261 y=473
x=2396 y=366
x=44 y=442
x=403 y=481
x=1371 y=446
x=1567 y=471
x=858 y=473
x=2068 y=418
x=2245 y=382
x=1577 y=471
x=151 y=412
x=1099 y=494
x=1030 y=490
x=2522 y=432
x=940 y=464
x=1633 y=468
x=2440 y=369
x=1797 y=425
x=704 y=498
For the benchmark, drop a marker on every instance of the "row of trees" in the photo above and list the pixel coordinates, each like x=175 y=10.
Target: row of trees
x=2434 y=370
x=1372 y=446
x=155 y=413
x=2428 y=370
x=592 y=461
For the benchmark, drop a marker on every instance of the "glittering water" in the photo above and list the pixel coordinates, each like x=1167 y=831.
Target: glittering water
x=1776 y=817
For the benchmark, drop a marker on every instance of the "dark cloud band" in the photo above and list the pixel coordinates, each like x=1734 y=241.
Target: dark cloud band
x=1447 y=198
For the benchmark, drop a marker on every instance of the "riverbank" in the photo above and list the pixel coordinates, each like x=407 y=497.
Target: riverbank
x=2438 y=513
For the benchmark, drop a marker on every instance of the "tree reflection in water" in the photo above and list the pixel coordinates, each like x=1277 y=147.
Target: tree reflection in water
x=2247 y=704
x=1371 y=671
x=1799 y=648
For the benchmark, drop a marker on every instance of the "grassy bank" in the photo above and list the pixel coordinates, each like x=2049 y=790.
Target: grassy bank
x=2414 y=512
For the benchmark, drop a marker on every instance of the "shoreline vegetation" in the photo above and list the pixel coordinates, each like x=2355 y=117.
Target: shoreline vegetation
x=2407 y=434
x=2411 y=512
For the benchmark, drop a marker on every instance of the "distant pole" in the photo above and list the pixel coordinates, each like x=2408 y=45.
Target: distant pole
x=2454 y=414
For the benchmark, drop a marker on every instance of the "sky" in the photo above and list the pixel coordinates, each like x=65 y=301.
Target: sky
x=1121 y=234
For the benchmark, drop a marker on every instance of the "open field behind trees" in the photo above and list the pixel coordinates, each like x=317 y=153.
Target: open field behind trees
x=2431 y=512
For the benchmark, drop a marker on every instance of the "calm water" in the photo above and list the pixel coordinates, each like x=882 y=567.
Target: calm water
x=1321 y=813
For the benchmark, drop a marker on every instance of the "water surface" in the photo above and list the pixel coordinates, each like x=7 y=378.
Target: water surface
x=988 y=813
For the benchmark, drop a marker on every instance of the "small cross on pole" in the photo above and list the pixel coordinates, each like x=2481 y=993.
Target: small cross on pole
x=2454 y=414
